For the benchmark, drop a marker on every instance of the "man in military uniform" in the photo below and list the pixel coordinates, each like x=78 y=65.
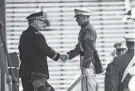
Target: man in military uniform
x=121 y=76
x=120 y=48
x=109 y=85
x=33 y=53
x=89 y=59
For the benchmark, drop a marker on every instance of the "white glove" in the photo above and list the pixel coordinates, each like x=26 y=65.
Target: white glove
x=85 y=71
x=131 y=70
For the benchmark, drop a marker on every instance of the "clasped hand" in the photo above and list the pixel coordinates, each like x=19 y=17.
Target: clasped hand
x=64 y=57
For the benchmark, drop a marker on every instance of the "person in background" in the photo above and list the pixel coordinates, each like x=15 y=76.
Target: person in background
x=34 y=51
x=122 y=64
x=125 y=63
x=120 y=50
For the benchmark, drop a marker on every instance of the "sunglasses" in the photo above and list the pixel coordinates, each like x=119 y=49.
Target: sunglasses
x=120 y=50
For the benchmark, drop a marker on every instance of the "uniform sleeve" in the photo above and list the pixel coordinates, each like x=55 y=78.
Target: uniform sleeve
x=89 y=43
x=20 y=51
x=44 y=48
x=115 y=77
x=108 y=83
x=73 y=53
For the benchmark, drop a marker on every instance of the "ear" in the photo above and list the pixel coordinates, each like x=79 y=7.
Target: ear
x=35 y=21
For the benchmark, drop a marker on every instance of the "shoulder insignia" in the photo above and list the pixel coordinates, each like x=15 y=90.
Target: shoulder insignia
x=88 y=36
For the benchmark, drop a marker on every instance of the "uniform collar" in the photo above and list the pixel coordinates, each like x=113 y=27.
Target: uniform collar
x=84 y=24
x=33 y=29
x=33 y=26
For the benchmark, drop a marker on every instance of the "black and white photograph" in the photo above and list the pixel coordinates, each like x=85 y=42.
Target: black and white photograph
x=67 y=45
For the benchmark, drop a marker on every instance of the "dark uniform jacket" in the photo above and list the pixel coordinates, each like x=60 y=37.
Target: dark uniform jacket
x=86 y=46
x=111 y=77
x=33 y=53
x=121 y=64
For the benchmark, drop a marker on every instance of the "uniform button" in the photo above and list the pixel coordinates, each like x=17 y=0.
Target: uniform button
x=42 y=64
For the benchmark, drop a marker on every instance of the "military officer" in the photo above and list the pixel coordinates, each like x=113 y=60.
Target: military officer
x=109 y=85
x=34 y=51
x=121 y=75
x=89 y=59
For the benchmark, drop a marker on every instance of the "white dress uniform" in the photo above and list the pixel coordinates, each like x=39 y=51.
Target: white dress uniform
x=89 y=58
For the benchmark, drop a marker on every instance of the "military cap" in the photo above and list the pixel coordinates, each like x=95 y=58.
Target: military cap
x=38 y=15
x=130 y=38
x=120 y=46
x=82 y=11
x=36 y=76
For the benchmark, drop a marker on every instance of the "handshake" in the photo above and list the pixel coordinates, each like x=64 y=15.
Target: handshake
x=64 y=57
